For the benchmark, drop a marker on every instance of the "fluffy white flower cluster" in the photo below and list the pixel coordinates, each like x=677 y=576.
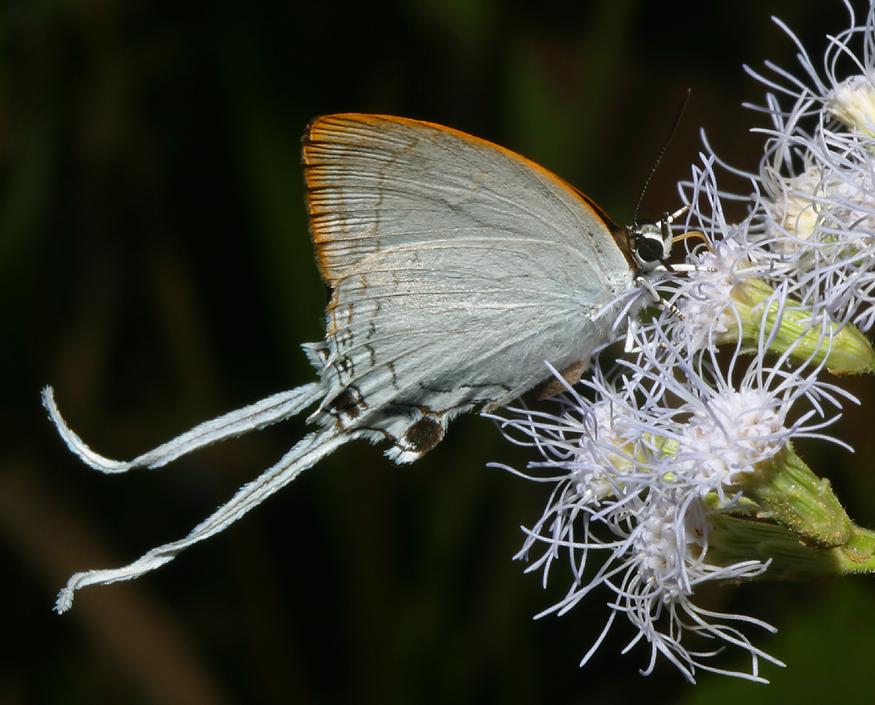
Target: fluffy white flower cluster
x=650 y=459
x=816 y=181
x=641 y=461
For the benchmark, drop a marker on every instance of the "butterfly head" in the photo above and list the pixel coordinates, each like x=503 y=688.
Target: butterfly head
x=650 y=243
x=649 y=249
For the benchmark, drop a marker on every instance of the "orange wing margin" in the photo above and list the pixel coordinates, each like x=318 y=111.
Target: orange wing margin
x=319 y=134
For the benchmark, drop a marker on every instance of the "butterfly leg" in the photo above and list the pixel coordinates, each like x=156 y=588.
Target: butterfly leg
x=647 y=285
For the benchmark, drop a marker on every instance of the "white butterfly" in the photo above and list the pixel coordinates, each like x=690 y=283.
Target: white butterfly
x=458 y=269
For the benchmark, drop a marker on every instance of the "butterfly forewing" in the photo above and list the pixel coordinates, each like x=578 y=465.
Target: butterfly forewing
x=457 y=268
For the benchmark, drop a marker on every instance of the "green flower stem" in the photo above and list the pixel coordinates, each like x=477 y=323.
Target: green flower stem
x=858 y=554
x=790 y=494
x=849 y=352
x=733 y=540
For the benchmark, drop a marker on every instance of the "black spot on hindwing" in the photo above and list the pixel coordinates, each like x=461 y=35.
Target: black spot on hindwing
x=423 y=435
x=348 y=405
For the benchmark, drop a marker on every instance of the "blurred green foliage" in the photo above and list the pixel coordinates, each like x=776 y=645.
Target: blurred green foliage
x=155 y=267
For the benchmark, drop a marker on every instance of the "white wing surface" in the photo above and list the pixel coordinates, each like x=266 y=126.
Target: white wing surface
x=457 y=268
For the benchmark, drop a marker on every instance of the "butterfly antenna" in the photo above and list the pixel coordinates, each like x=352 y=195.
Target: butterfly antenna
x=665 y=146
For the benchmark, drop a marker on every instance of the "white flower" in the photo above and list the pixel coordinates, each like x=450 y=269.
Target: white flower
x=737 y=286
x=718 y=418
x=703 y=312
x=653 y=552
x=830 y=202
x=842 y=88
x=708 y=306
x=640 y=461
x=666 y=562
x=853 y=103
x=592 y=452
x=729 y=436
x=816 y=181
x=818 y=202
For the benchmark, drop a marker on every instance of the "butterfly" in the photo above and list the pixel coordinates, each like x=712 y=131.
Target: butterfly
x=458 y=271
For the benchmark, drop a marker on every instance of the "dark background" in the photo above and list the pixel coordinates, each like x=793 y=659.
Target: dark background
x=155 y=267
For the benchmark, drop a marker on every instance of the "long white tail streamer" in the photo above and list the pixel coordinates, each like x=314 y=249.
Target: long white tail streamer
x=305 y=454
x=271 y=410
x=274 y=409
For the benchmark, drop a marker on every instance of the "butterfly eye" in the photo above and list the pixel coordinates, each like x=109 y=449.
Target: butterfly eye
x=650 y=250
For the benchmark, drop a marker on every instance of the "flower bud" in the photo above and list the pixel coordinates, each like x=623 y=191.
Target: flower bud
x=788 y=327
